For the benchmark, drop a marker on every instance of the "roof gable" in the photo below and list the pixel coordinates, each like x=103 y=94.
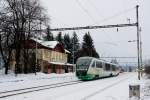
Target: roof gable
x=48 y=44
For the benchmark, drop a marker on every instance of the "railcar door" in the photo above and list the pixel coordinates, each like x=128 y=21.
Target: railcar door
x=99 y=68
x=107 y=69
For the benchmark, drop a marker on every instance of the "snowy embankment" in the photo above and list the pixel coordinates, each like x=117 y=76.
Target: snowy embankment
x=121 y=90
x=12 y=82
x=114 y=88
x=146 y=88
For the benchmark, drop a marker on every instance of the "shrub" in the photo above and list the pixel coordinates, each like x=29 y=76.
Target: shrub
x=147 y=69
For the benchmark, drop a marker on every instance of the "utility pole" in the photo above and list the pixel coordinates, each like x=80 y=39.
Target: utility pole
x=73 y=50
x=138 y=41
x=141 y=60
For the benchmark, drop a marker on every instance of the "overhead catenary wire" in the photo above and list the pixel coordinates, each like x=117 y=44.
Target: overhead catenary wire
x=109 y=18
x=96 y=9
x=99 y=14
x=86 y=11
x=116 y=15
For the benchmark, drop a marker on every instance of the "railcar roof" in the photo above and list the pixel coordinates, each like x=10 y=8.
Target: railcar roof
x=86 y=57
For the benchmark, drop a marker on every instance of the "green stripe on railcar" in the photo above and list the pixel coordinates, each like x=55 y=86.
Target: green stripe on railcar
x=87 y=77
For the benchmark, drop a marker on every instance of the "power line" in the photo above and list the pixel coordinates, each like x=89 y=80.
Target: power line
x=116 y=15
x=86 y=11
x=105 y=19
x=96 y=9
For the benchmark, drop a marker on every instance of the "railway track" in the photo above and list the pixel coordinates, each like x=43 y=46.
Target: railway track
x=10 y=93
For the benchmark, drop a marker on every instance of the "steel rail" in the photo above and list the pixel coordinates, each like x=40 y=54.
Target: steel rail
x=34 y=89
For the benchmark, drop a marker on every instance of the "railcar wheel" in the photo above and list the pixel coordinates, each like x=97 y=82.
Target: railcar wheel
x=96 y=76
x=111 y=75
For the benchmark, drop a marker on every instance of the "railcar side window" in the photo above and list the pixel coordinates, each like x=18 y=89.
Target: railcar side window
x=113 y=68
x=107 y=67
x=98 y=64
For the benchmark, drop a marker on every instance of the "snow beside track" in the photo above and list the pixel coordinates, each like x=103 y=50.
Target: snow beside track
x=11 y=82
x=114 y=88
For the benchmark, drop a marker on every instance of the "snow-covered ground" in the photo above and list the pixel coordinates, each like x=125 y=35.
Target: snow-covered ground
x=114 y=88
x=11 y=82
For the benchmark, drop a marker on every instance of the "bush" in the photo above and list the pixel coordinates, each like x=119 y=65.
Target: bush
x=147 y=69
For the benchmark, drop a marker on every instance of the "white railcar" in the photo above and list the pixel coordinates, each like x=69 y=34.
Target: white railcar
x=88 y=68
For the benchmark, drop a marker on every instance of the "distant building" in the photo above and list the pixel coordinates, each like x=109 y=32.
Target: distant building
x=51 y=56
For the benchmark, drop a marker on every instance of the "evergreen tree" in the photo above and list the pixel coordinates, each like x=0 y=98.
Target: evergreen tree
x=59 y=38
x=68 y=45
x=114 y=61
x=75 y=47
x=88 y=48
x=75 y=42
x=67 y=42
x=49 y=35
x=87 y=42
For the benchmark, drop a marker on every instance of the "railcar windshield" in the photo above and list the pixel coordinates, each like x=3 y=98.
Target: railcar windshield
x=83 y=63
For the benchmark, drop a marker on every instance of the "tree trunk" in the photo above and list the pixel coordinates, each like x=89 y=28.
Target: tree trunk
x=6 y=68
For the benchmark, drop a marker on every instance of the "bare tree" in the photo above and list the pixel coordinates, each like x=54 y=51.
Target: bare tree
x=21 y=17
x=147 y=66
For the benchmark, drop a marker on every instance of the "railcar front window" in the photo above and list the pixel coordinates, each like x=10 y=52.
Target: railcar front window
x=83 y=63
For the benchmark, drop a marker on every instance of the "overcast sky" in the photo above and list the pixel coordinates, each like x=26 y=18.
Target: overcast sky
x=108 y=42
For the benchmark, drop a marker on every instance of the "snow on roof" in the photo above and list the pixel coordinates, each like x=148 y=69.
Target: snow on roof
x=60 y=63
x=68 y=64
x=67 y=51
x=49 y=44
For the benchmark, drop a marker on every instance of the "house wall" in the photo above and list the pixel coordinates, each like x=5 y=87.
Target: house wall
x=54 y=56
x=21 y=64
x=45 y=55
